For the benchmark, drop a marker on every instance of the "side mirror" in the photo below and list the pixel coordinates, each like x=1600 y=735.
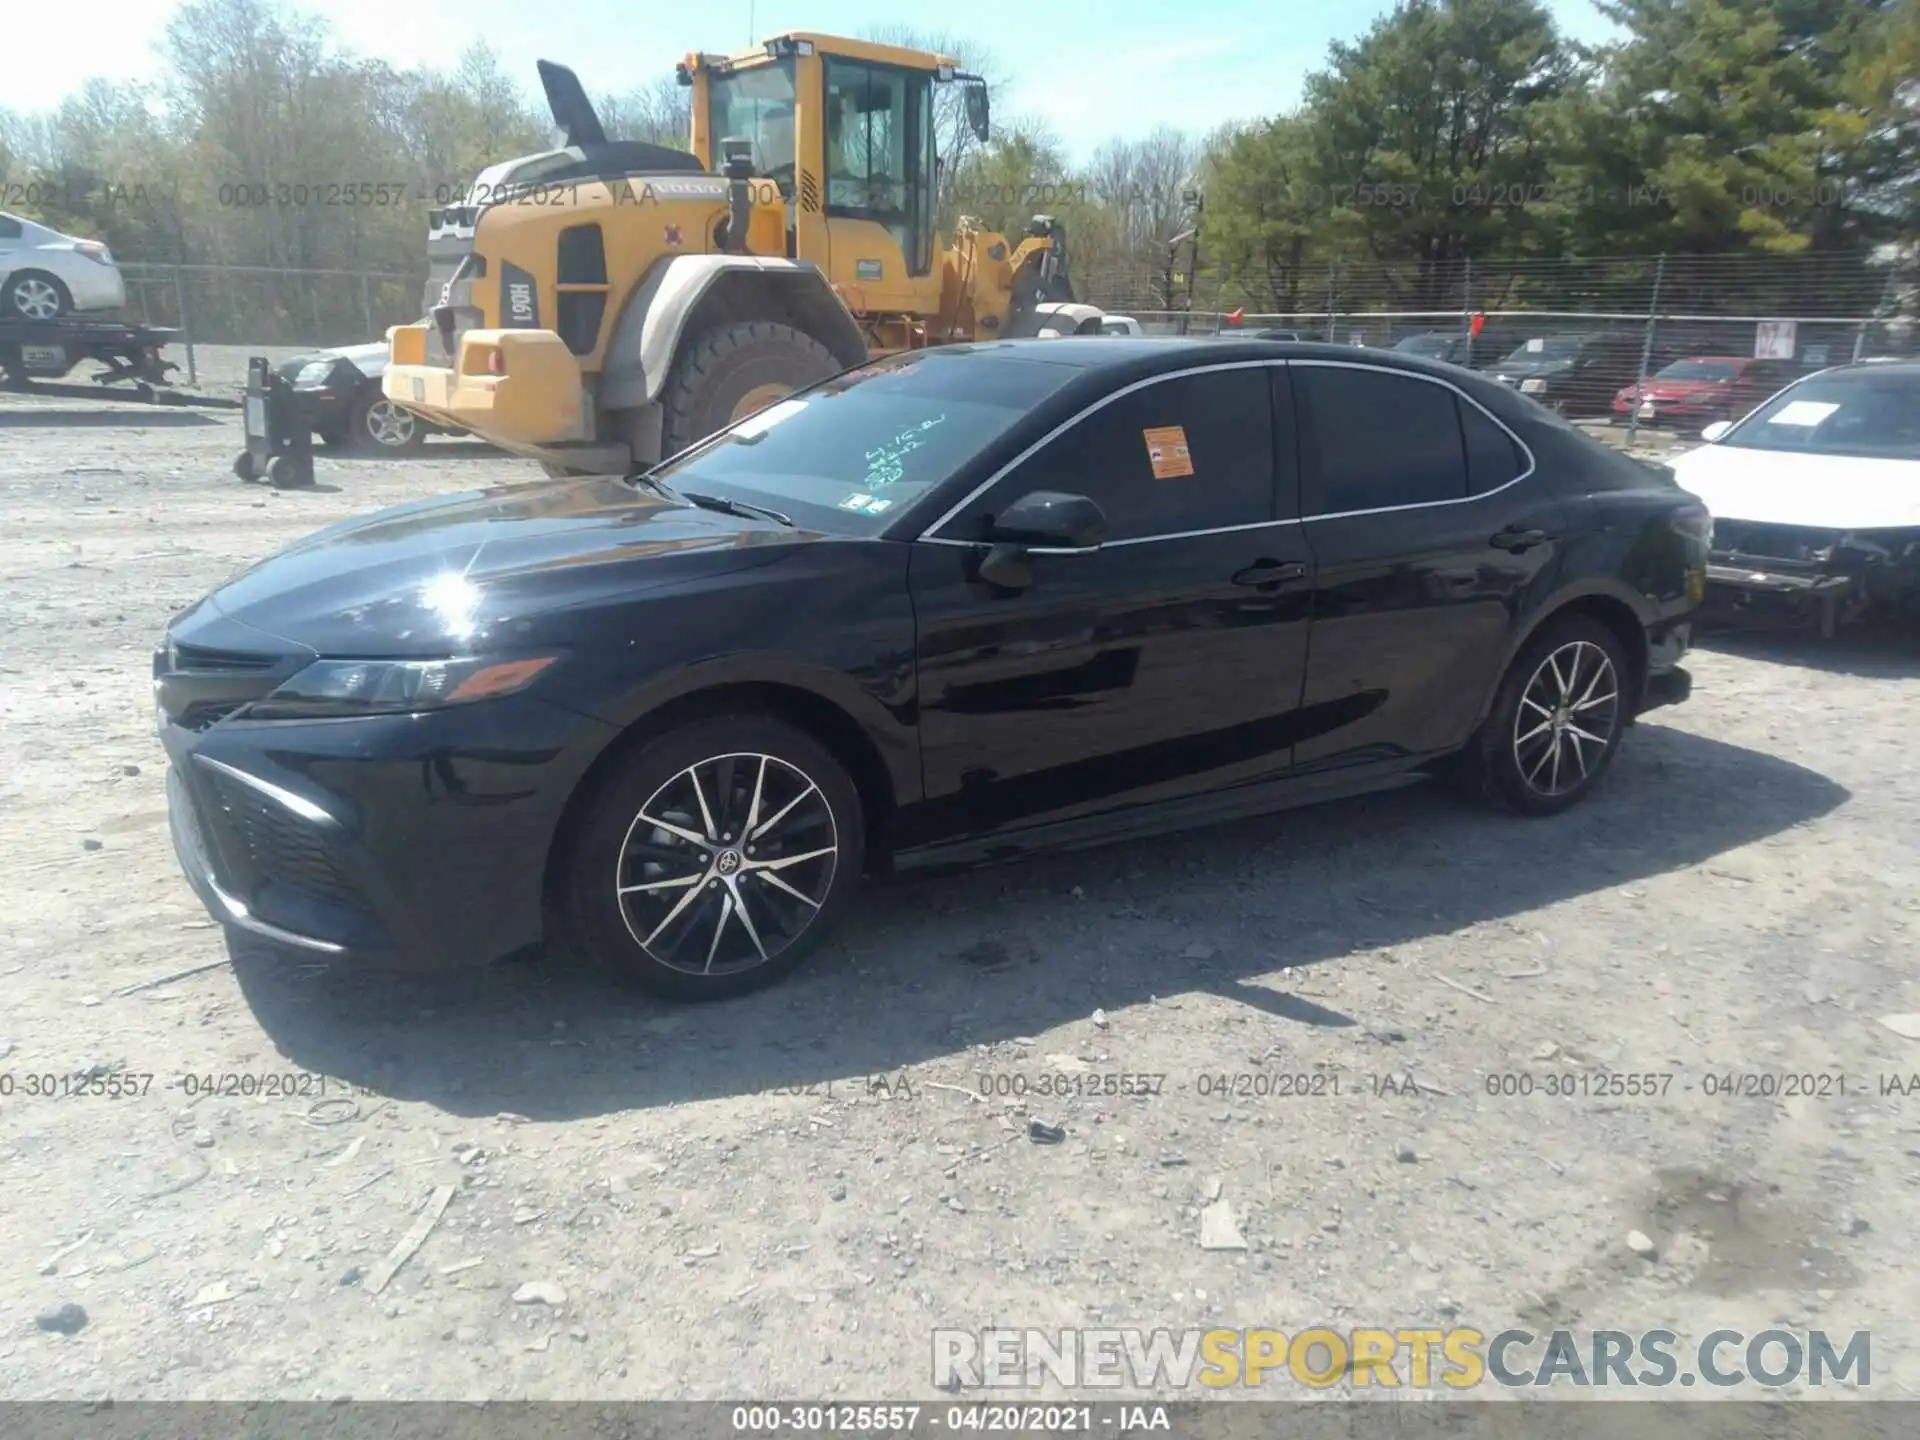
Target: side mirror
x=977 y=116
x=1043 y=520
x=1716 y=430
x=1049 y=519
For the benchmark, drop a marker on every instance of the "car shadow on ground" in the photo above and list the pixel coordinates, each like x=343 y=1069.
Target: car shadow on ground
x=1879 y=652
x=146 y=418
x=926 y=968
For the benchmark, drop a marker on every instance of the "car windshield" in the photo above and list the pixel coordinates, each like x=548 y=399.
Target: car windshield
x=1700 y=370
x=757 y=104
x=1869 y=415
x=853 y=452
x=1551 y=347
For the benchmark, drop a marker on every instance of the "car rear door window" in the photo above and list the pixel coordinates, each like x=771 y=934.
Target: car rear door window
x=1376 y=440
x=1493 y=459
x=1194 y=452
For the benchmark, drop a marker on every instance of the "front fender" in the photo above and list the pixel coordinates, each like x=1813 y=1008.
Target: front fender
x=656 y=316
x=884 y=716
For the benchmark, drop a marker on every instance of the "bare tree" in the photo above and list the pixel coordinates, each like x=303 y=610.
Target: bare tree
x=660 y=113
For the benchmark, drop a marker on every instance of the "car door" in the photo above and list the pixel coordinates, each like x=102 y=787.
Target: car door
x=1428 y=532
x=1165 y=662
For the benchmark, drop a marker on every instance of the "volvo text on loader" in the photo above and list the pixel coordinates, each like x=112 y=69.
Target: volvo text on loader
x=608 y=303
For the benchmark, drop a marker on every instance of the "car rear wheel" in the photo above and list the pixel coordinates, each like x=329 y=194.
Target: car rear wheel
x=1556 y=721
x=35 y=295
x=713 y=858
x=377 y=426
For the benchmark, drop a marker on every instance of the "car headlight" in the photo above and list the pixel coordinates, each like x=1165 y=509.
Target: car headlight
x=1533 y=387
x=314 y=372
x=328 y=688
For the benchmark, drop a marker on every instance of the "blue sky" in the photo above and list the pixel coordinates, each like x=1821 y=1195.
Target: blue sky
x=1090 y=68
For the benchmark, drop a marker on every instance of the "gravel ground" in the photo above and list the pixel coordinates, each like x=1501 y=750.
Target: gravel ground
x=783 y=1196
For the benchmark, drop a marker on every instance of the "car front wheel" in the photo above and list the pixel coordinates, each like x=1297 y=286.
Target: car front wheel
x=1556 y=721
x=713 y=858
x=377 y=426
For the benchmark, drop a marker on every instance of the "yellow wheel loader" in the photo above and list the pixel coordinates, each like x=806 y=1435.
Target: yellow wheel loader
x=608 y=303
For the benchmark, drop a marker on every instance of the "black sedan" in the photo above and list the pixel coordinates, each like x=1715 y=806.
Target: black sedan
x=959 y=604
x=349 y=411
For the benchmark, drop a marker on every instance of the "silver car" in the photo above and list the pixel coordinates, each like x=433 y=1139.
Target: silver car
x=44 y=274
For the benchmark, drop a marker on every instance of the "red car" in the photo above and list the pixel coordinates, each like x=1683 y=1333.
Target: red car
x=1704 y=388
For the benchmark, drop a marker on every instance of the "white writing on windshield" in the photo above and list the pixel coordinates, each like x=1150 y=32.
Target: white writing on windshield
x=886 y=464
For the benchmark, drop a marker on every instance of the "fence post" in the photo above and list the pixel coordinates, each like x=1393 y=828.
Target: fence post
x=186 y=325
x=1333 y=280
x=1466 y=298
x=366 y=304
x=1646 y=347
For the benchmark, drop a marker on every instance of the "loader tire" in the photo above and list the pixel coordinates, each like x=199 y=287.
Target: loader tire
x=727 y=373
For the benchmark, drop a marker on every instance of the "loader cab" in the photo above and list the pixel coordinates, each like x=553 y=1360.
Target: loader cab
x=846 y=129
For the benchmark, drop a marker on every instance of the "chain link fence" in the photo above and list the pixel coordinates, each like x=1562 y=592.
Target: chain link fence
x=1643 y=312
x=263 y=306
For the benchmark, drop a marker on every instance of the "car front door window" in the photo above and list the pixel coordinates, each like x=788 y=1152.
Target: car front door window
x=1171 y=457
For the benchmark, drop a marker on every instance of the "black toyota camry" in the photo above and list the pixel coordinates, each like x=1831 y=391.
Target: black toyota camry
x=956 y=605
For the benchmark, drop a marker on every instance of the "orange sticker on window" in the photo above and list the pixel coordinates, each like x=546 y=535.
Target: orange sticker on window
x=1167 y=450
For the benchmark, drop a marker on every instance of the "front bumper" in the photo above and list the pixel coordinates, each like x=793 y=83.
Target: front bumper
x=326 y=407
x=537 y=407
x=419 y=842
x=1806 y=584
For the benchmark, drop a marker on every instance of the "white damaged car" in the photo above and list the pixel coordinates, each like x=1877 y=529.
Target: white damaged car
x=1815 y=497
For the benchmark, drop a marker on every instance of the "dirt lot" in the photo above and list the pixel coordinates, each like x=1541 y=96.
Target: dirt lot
x=783 y=1196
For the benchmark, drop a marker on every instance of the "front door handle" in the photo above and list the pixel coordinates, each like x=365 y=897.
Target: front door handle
x=1516 y=539
x=1270 y=572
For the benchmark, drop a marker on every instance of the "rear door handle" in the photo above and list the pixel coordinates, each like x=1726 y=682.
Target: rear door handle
x=1515 y=539
x=1270 y=572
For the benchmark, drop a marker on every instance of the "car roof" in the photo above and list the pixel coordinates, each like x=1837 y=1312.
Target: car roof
x=1889 y=366
x=1102 y=363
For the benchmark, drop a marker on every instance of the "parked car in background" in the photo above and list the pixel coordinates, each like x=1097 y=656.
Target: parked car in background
x=1457 y=347
x=1102 y=594
x=1579 y=375
x=341 y=389
x=1701 y=389
x=45 y=274
x=1120 y=325
x=1276 y=334
x=1816 y=497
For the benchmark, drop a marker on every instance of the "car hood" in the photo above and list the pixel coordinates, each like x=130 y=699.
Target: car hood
x=369 y=360
x=1528 y=369
x=1839 y=492
x=485 y=569
x=1676 y=389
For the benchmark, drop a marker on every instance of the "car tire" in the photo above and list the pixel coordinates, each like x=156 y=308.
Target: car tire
x=376 y=426
x=29 y=293
x=727 y=373
x=1555 y=693
x=662 y=913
